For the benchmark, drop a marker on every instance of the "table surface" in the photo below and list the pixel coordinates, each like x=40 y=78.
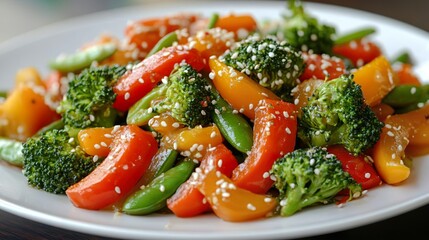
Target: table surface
x=410 y=225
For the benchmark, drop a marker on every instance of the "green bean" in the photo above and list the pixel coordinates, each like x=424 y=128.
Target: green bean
x=354 y=35
x=404 y=95
x=84 y=58
x=213 y=21
x=59 y=124
x=154 y=196
x=141 y=112
x=233 y=126
x=163 y=160
x=11 y=151
x=164 y=42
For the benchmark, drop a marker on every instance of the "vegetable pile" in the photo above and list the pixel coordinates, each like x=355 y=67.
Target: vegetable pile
x=189 y=114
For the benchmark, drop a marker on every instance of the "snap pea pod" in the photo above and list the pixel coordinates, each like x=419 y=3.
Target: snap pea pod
x=213 y=21
x=141 y=112
x=354 y=35
x=163 y=160
x=164 y=42
x=233 y=126
x=59 y=124
x=424 y=99
x=83 y=59
x=154 y=196
x=11 y=151
x=403 y=57
x=404 y=95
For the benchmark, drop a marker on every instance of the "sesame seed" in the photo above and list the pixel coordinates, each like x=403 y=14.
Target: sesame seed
x=367 y=175
x=175 y=125
x=356 y=194
x=219 y=163
x=95 y=158
x=127 y=96
x=162 y=188
x=91 y=118
x=390 y=134
x=251 y=207
x=118 y=190
x=266 y=175
x=213 y=134
x=317 y=171
x=288 y=131
x=267 y=199
x=97 y=146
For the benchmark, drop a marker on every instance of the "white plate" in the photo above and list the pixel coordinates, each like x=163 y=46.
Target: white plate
x=38 y=47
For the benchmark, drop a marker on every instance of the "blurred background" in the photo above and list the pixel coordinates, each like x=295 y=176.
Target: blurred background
x=19 y=16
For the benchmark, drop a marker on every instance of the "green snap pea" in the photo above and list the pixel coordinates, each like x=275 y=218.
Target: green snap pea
x=11 y=151
x=141 y=112
x=403 y=95
x=59 y=124
x=424 y=99
x=164 y=42
x=163 y=160
x=233 y=126
x=154 y=196
x=213 y=21
x=403 y=57
x=354 y=35
x=83 y=59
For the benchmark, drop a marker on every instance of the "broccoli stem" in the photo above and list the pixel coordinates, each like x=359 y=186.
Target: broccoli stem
x=141 y=112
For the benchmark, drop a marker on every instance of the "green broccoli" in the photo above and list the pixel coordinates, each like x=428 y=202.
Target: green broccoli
x=336 y=113
x=89 y=98
x=305 y=32
x=54 y=161
x=275 y=65
x=185 y=94
x=310 y=176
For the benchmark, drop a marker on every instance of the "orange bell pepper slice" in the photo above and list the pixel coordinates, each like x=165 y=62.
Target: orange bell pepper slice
x=399 y=131
x=238 y=89
x=188 y=201
x=232 y=203
x=377 y=79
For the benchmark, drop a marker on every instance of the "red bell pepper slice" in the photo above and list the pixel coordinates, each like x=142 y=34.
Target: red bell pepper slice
x=360 y=170
x=360 y=52
x=188 y=201
x=140 y=80
x=132 y=151
x=322 y=67
x=274 y=135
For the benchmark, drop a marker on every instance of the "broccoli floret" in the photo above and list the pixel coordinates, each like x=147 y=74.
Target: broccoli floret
x=305 y=32
x=185 y=94
x=336 y=113
x=89 y=98
x=53 y=161
x=275 y=65
x=310 y=176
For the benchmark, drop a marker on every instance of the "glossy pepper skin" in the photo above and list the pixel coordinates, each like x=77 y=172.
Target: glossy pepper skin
x=274 y=135
x=131 y=152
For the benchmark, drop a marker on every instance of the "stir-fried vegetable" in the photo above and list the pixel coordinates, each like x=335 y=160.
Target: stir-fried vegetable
x=192 y=114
